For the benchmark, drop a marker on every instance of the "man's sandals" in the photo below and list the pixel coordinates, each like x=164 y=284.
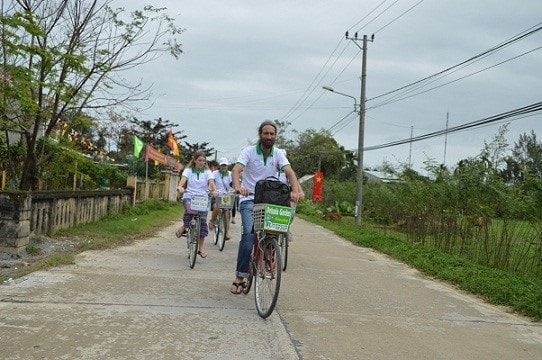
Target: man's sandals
x=237 y=287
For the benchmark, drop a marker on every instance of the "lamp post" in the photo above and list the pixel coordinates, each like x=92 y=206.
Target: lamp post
x=359 y=173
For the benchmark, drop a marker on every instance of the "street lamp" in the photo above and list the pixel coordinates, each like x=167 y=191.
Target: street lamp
x=329 y=88
x=359 y=174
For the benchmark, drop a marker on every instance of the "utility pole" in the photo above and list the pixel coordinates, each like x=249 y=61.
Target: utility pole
x=410 y=150
x=446 y=137
x=361 y=135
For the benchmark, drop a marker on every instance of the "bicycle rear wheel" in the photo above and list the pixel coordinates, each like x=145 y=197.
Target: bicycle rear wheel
x=192 y=243
x=283 y=243
x=267 y=277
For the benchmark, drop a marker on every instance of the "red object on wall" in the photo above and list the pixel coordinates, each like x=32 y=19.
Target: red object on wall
x=318 y=186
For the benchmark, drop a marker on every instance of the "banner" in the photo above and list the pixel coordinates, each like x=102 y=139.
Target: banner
x=153 y=154
x=318 y=186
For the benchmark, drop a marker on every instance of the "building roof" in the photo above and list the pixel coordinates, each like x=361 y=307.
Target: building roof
x=380 y=176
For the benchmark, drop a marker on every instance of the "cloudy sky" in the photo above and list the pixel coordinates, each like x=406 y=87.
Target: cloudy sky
x=248 y=61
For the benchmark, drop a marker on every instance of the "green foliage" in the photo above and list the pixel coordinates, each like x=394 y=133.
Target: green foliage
x=32 y=249
x=64 y=162
x=316 y=150
x=338 y=192
x=52 y=67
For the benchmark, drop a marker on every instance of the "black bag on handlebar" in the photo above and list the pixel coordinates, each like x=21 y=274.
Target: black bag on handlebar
x=272 y=191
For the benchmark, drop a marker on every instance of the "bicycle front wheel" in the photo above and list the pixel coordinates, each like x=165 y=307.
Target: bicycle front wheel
x=192 y=242
x=267 y=277
x=283 y=242
x=221 y=233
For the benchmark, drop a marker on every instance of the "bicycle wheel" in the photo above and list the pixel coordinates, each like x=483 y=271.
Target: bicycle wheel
x=267 y=277
x=250 y=277
x=283 y=242
x=192 y=241
x=215 y=229
x=222 y=223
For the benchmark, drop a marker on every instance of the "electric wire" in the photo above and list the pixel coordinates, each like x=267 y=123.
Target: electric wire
x=315 y=83
x=526 y=110
x=398 y=17
x=396 y=98
x=524 y=34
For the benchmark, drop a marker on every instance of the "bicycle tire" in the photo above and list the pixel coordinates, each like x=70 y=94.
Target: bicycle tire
x=215 y=229
x=284 y=245
x=222 y=224
x=249 y=279
x=192 y=241
x=267 y=277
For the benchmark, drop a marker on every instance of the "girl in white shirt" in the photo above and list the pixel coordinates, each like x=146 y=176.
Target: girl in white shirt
x=196 y=178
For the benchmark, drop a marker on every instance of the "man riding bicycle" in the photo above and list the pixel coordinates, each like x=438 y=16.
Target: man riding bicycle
x=257 y=162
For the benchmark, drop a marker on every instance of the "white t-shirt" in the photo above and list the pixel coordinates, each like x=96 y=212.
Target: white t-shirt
x=223 y=181
x=256 y=167
x=197 y=181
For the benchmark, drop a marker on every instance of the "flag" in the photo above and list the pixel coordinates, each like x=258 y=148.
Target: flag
x=64 y=128
x=172 y=143
x=138 y=145
x=318 y=186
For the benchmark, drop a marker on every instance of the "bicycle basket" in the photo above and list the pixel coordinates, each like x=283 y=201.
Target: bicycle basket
x=199 y=203
x=225 y=201
x=272 y=218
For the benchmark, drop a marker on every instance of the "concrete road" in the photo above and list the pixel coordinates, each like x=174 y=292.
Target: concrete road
x=337 y=301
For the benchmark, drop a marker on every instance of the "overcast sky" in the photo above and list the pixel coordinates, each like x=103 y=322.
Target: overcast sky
x=248 y=61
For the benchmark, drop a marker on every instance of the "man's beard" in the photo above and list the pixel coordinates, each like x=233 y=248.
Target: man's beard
x=266 y=143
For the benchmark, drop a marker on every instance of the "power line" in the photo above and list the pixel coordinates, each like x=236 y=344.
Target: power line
x=400 y=16
x=530 y=31
x=399 y=98
x=529 y=109
x=315 y=83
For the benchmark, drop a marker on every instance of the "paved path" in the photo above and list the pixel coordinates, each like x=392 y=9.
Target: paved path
x=337 y=301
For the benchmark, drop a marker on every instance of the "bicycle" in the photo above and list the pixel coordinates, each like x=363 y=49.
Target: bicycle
x=265 y=269
x=224 y=203
x=199 y=203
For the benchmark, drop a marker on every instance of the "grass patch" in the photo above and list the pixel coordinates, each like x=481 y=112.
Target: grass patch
x=522 y=293
x=134 y=223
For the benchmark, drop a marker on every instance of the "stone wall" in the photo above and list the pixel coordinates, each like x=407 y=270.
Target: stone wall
x=23 y=214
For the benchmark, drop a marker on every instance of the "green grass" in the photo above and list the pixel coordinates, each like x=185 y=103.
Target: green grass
x=522 y=293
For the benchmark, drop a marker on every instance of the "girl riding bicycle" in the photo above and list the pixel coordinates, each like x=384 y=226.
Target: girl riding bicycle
x=196 y=178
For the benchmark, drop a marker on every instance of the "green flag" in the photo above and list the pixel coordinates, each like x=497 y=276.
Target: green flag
x=138 y=145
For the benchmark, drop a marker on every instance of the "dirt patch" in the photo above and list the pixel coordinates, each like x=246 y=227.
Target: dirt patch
x=40 y=247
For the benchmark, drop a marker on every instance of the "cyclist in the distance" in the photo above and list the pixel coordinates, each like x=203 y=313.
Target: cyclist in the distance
x=223 y=184
x=196 y=178
x=257 y=162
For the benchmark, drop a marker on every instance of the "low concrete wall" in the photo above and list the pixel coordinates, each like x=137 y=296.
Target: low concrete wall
x=23 y=214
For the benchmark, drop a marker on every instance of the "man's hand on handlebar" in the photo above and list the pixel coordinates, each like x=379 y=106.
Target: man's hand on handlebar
x=243 y=191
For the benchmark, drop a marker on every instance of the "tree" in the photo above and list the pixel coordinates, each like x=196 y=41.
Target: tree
x=189 y=149
x=63 y=59
x=316 y=151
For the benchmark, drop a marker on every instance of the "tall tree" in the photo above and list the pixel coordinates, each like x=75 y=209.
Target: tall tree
x=63 y=58
x=317 y=150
